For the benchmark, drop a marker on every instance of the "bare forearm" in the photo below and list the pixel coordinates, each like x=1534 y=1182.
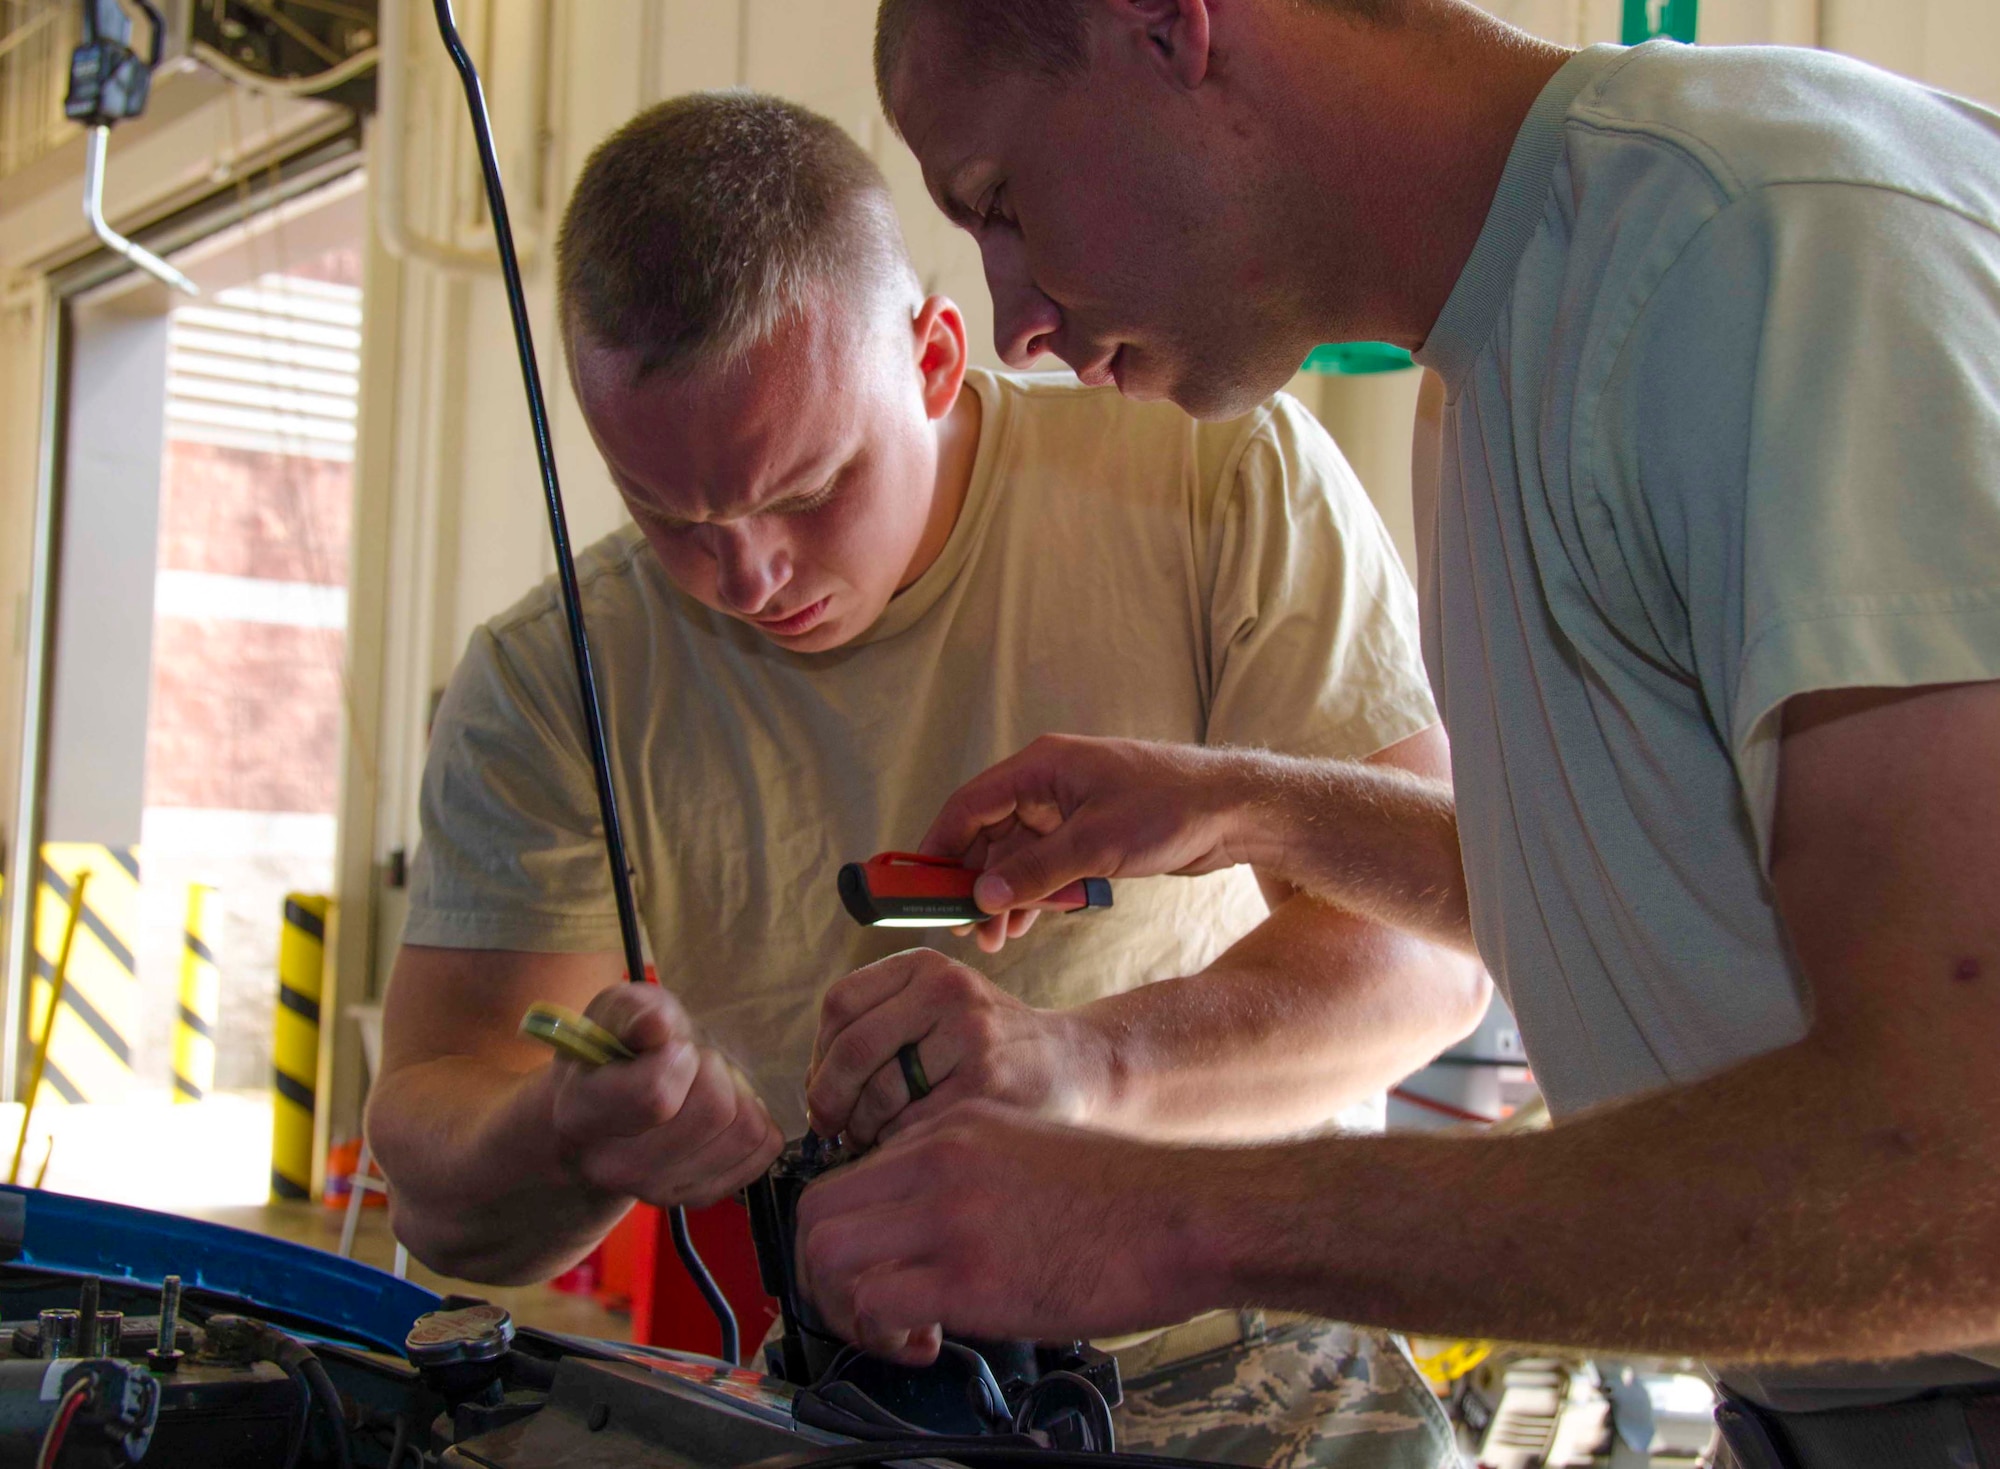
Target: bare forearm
x=1774 y=1213
x=1373 y=838
x=479 y=1188
x=1836 y=1199
x=1312 y=1011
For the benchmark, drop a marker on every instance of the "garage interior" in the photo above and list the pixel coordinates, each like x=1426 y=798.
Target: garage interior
x=247 y=531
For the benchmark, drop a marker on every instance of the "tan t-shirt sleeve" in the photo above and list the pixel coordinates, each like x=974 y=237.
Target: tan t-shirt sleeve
x=512 y=855
x=1313 y=621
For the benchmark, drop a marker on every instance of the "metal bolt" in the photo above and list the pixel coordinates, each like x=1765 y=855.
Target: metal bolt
x=166 y=1354
x=58 y=1332
x=110 y=1334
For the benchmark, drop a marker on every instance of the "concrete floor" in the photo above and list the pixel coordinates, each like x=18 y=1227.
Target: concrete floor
x=318 y=1226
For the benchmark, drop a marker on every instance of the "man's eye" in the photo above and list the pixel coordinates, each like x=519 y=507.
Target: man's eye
x=651 y=519
x=813 y=501
x=994 y=210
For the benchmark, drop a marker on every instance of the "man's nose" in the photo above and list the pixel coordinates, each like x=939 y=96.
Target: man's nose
x=1024 y=320
x=751 y=566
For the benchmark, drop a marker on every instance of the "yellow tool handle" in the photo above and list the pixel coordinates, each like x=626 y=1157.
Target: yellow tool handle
x=576 y=1036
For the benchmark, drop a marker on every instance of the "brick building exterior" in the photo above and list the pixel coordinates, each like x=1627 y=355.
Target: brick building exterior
x=244 y=728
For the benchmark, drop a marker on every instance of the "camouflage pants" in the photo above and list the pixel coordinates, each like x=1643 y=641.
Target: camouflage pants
x=1309 y=1395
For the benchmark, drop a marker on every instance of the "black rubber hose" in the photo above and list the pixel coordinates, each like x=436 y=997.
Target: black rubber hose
x=315 y=1373
x=732 y=1346
x=304 y=1425
x=538 y=419
x=579 y=636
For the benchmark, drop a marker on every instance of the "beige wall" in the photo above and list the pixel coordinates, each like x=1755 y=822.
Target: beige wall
x=21 y=371
x=448 y=524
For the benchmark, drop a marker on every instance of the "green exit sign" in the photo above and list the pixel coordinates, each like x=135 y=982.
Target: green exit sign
x=1646 y=19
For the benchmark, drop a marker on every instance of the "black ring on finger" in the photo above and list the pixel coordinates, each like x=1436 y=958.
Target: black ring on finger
x=913 y=1072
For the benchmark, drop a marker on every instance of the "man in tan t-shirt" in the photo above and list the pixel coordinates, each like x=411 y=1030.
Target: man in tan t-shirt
x=850 y=586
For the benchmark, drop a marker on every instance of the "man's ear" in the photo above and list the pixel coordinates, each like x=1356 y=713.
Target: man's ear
x=938 y=330
x=1176 y=32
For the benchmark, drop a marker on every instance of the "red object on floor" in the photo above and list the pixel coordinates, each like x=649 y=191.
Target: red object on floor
x=343 y=1161
x=580 y=1279
x=625 y=1256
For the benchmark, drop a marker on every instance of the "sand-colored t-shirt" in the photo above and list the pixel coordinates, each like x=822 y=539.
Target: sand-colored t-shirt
x=1117 y=569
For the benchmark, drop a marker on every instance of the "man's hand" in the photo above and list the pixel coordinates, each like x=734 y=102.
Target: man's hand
x=1831 y=1201
x=991 y=1224
x=1069 y=807
x=1378 y=837
x=510 y=1164
x=973 y=1040
x=676 y=1125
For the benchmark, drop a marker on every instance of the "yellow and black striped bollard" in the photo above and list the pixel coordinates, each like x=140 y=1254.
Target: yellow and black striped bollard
x=201 y=994
x=295 y=1044
x=90 y=1058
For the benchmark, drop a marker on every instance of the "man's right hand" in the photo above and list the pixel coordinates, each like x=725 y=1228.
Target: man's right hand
x=1070 y=806
x=678 y=1124
x=1377 y=837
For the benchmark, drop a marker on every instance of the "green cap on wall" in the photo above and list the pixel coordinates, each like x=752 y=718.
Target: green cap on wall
x=1647 y=19
x=1357 y=357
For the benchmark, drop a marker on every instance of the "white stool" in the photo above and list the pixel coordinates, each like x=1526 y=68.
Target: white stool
x=365 y=1178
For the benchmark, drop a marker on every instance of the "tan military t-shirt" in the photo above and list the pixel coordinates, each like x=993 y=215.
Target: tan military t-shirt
x=1117 y=569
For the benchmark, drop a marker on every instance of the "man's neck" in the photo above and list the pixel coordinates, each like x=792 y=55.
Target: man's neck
x=958 y=452
x=1396 y=137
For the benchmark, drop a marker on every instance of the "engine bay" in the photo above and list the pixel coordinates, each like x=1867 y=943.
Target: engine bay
x=282 y=1355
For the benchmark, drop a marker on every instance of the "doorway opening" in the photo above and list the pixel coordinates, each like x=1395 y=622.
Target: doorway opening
x=197 y=712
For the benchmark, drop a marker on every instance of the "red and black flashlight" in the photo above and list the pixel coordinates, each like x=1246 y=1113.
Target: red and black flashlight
x=906 y=890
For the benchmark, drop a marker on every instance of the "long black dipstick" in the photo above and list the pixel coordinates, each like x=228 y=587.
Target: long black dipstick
x=579 y=637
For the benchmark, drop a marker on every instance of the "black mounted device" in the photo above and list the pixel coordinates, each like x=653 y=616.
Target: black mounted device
x=1061 y=1395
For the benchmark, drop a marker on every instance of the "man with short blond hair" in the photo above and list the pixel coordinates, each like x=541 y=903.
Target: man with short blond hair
x=852 y=582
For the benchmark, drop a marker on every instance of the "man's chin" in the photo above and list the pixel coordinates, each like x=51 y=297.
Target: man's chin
x=1217 y=395
x=1201 y=392
x=1217 y=402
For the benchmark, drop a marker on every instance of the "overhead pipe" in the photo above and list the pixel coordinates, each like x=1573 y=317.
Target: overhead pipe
x=391 y=132
x=297 y=87
x=96 y=145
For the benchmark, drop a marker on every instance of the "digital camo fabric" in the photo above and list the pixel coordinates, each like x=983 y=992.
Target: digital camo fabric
x=1310 y=1395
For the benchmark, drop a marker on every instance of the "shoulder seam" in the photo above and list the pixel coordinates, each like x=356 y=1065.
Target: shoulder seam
x=1671 y=139
x=508 y=622
x=1259 y=424
x=1877 y=186
x=1734 y=190
x=527 y=706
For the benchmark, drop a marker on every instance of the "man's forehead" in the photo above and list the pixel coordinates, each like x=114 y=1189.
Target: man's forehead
x=716 y=443
x=943 y=113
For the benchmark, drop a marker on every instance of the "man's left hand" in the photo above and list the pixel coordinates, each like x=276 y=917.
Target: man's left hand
x=987 y=1223
x=972 y=1038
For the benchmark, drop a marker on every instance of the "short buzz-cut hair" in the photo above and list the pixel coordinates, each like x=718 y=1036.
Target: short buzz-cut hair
x=1045 y=38
x=707 y=221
